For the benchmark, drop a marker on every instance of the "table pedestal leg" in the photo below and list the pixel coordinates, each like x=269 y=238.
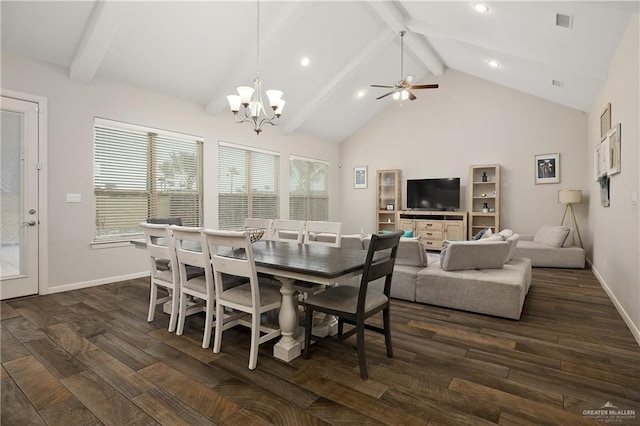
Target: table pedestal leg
x=288 y=348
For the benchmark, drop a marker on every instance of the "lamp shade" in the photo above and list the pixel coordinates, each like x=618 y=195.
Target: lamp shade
x=570 y=196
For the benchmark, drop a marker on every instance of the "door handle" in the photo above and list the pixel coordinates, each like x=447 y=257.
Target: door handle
x=30 y=223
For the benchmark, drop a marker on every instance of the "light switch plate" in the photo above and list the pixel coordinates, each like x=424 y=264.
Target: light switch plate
x=634 y=197
x=73 y=198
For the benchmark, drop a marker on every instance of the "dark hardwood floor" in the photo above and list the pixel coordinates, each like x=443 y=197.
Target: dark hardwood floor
x=90 y=357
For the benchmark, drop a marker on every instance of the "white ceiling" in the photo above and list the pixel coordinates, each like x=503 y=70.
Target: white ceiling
x=202 y=50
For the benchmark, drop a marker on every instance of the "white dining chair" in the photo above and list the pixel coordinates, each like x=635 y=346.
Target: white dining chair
x=323 y=233
x=161 y=251
x=264 y=224
x=247 y=300
x=287 y=230
x=197 y=291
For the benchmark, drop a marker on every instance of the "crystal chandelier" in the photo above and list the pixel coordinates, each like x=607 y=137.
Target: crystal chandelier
x=250 y=98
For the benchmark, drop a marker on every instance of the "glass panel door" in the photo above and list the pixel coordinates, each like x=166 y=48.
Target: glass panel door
x=18 y=198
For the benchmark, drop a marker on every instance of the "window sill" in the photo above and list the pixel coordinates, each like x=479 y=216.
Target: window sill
x=110 y=244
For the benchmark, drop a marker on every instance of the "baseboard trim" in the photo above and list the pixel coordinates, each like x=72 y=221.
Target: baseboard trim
x=625 y=317
x=94 y=283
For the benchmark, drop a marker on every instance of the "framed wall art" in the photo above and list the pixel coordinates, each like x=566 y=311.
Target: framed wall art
x=613 y=138
x=605 y=121
x=360 y=177
x=547 y=168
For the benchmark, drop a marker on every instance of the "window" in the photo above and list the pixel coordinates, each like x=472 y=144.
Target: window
x=141 y=173
x=308 y=189
x=247 y=185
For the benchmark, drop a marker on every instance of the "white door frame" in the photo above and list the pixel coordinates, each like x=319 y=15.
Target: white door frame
x=43 y=132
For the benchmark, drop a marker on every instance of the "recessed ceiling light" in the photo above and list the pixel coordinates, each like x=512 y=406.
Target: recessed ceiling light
x=481 y=7
x=493 y=63
x=304 y=61
x=360 y=94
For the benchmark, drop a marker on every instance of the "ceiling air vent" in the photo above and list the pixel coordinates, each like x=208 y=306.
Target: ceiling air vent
x=557 y=83
x=564 y=20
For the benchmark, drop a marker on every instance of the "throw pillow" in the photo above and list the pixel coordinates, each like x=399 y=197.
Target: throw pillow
x=385 y=232
x=479 y=234
x=487 y=233
x=505 y=233
x=465 y=255
x=568 y=242
x=407 y=234
x=513 y=243
x=552 y=236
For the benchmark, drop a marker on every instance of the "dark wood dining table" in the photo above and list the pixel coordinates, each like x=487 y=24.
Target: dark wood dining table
x=291 y=261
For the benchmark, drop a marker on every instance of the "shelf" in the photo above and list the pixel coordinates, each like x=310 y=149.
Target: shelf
x=484 y=198
x=488 y=214
x=484 y=183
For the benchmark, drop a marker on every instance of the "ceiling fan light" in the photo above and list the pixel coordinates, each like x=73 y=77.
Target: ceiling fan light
x=245 y=93
x=396 y=96
x=234 y=103
x=404 y=95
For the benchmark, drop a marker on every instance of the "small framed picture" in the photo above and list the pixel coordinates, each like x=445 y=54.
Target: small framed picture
x=605 y=121
x=360 y=177
x=547 y=168
x=389 y=206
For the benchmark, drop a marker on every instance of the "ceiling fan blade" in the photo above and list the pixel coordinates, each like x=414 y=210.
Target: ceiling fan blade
x=386 y=94
x=379 y=85
x=424 y=86
x=412 y=96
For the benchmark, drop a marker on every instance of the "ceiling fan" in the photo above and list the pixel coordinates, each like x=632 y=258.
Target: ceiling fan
x=402 y=88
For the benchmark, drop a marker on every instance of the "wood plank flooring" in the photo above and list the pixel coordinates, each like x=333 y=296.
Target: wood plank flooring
x=90 y=357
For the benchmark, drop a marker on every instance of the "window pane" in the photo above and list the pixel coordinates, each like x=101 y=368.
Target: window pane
x=308 y=190
x=141 y=173
x=239 y=170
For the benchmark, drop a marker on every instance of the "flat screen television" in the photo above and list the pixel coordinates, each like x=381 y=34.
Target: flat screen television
x=433 y=194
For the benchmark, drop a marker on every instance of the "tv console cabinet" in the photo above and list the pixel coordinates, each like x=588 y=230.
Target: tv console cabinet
x=434 y=226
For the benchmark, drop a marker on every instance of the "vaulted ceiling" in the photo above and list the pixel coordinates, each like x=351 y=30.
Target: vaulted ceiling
x=201 y=51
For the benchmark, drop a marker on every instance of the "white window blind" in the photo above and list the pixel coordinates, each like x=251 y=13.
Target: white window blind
x=247 y=185
x=308 y=189
x=141 y=173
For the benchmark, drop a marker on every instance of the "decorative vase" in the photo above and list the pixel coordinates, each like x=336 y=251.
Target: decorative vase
x=484 y=176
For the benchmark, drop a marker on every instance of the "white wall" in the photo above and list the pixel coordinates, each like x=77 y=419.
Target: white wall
x=72 y=107
x=470 y=121
x=614 y=232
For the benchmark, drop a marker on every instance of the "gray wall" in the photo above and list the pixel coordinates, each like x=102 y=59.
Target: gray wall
x=614 y=232
x=73 y=261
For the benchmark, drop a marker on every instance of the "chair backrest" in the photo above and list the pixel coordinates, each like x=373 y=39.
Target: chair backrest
x=160 y=246
x=255 y=223
x=166 y=220
x=190 y=251
x=381 y=258
x=220 y=245
x=323 y=233
x=287 y=230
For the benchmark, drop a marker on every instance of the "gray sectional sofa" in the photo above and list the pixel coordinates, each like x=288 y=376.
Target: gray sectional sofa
x=545 y=253
x=475 y=276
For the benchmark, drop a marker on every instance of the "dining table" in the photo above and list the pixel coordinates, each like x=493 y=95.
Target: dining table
x=288 y=262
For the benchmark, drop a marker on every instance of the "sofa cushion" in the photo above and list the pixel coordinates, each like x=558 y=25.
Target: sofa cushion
x=542 y=255
x=488 y=291
x=552 y=236
x=462 y=255
x=410 y=252
x=487 y=233
x=352 y=241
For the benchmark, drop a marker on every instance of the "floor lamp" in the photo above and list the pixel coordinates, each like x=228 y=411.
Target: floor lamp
x=570 y=197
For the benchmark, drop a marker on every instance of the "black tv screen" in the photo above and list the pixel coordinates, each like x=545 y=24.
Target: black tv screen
x=433 y=194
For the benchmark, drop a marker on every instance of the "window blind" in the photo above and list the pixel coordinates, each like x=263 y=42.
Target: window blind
x=308 y=189
x=142 y=173
x=247 y=185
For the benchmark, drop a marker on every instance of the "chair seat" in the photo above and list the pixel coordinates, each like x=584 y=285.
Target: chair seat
x=241 y=295
x=345 y=299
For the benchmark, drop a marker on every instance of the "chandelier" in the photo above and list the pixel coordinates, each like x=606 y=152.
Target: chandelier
x=250 y=98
